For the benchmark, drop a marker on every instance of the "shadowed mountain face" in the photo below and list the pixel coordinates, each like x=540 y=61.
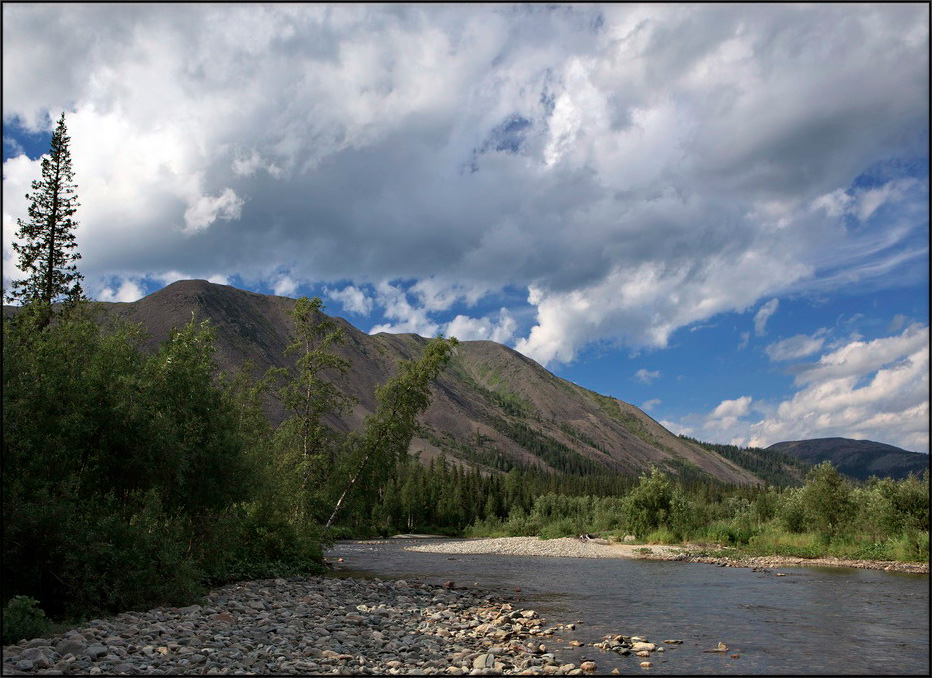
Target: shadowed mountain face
x=857 y=458
x=492 y=407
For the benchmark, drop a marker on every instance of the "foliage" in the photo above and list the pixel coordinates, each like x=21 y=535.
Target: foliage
x=373 y=455
x=46 y=252
x=647 y=506
x=826 y=500
x=775 y=468
x=305 y=445
x=23 y=618
x=121 y=470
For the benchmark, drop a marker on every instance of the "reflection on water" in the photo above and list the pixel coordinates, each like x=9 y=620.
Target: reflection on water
x=813 y=620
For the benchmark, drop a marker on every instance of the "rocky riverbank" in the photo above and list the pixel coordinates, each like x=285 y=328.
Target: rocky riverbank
x=773 y=562
x=568 y=547
x=313 y=625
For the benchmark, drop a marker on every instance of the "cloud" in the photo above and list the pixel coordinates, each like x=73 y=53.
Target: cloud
x=205 y=210
x=465 y=328
x=649 y=405
x=126 y=290
x=635 y=168
x=875 y=390
x=859 y=358
x=285 y=286
x=798 y=346
x=410 y=319
x=646 y=376
x=763 y=315
x=726 y=415
x=352 y=299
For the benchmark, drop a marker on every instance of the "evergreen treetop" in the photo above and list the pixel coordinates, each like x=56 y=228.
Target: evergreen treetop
x=47 y=249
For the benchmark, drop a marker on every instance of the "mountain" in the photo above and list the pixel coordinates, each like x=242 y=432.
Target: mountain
x=856 y=458
x=492 y=408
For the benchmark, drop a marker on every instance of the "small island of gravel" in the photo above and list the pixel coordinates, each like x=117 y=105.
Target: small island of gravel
x=569 y=547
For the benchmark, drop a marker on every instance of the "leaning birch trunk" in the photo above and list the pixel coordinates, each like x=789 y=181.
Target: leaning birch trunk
x=389 y=430
x=346 y=491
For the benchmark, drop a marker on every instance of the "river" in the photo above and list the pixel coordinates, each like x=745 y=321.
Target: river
x=812 y=620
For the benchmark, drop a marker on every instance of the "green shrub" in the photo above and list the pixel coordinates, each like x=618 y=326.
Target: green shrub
x=22 y=618
x=911 y=546
x=647 y=506
x=731 y=532
x=662 y=535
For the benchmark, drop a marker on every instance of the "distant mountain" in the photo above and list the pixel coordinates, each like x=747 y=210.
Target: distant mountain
x=857 y=458
x=493 y=408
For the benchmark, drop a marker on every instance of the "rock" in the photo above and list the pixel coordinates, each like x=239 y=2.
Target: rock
x=646 y=665
x=75 y=645
x=25 y=664
x=588 y=666
x=641 y=646
x=95 y=651
x=37 y=642
x=673 y=642
x=484 y=661
x=305 y=626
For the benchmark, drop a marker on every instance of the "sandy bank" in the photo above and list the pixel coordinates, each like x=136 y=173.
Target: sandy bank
x=569 y=547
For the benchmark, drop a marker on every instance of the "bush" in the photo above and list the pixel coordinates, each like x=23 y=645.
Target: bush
x=648 y=505
x=22 y=618
x=827 y=500
x=912 y=546
x=732 y=533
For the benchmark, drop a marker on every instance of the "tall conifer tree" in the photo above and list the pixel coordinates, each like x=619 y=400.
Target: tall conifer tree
x=47 y=252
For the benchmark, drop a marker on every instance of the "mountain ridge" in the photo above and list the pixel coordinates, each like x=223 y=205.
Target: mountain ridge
x=493 y=407
x=858 y=459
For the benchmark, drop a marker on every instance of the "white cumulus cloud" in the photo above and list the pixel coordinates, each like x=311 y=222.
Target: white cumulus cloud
x=634 y=168
x=877 y=390
x=798 y=346
x=646 y=376
x=763 y=315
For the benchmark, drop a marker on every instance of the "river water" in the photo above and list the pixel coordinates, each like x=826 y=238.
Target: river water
x=813 y=620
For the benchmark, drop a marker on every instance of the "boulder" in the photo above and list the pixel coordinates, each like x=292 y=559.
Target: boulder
x=74 y=645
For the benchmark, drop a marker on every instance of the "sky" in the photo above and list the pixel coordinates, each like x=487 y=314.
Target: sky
x=716 y=212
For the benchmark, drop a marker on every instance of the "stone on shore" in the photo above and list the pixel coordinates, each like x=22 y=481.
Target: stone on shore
x=305 y=625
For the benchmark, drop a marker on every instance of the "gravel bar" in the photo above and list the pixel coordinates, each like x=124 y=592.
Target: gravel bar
x=565 y=547
x=307 y=625
x=569 y=547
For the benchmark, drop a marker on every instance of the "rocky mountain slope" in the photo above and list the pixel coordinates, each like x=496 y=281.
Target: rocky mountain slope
x=857 y=458
x=492 y=407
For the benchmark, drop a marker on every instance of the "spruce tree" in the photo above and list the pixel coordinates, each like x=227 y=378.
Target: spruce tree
x=47 y=252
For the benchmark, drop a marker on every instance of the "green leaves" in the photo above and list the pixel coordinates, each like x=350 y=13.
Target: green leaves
x=46 y=251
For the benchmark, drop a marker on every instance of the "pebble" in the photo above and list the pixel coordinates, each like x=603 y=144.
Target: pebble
x=306 y=625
